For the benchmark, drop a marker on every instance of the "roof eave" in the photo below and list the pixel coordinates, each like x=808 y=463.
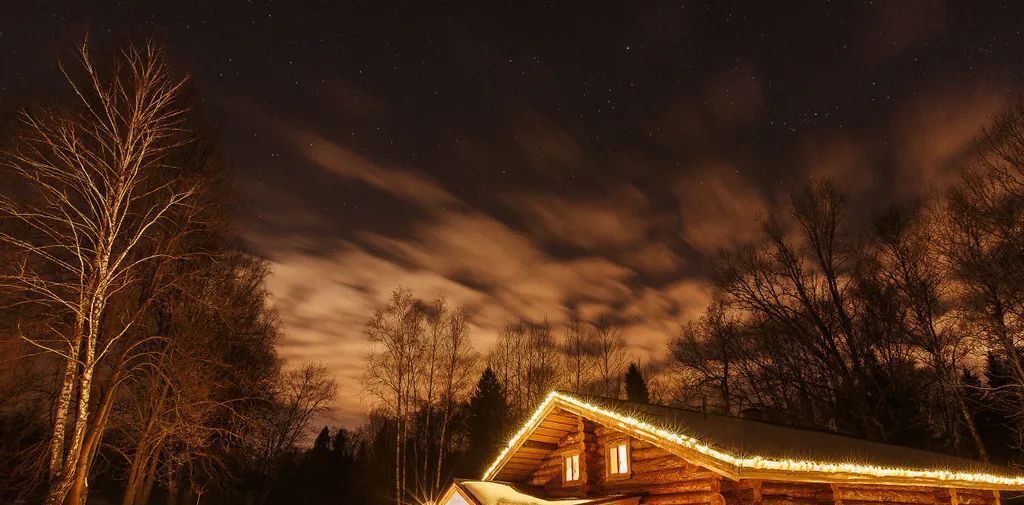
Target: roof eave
x=726 y=465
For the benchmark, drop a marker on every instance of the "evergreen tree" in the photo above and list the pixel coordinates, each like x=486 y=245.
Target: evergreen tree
x=636 y=386
x=322 y=444
x=486 y=421
x=342 y=446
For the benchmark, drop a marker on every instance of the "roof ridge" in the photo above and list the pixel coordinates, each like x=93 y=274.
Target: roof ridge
x=778 y=424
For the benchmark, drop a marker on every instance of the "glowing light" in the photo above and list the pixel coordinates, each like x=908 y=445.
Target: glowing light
x=738 y=464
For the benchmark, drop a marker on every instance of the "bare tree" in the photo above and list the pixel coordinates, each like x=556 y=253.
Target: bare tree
x=508 y=360
x=298 y=397
x=96 y=198
x=395 y=333
x=911 y=263
x=982 y=239
x=197 y=391
x=458 y=361
x=579 y=353
x=707 y=355
x=541 y=363
x=610 y=350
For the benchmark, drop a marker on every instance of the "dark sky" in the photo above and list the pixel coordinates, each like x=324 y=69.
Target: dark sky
x=545 y=160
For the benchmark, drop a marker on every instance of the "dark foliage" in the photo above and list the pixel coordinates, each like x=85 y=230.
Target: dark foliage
x=636 y=385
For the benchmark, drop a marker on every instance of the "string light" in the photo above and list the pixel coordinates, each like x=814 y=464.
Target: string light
x=738 y=464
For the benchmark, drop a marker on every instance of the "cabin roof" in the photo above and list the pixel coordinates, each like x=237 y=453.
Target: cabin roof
x=745 y=448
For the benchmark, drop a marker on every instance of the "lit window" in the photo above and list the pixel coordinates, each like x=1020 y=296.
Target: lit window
x=572 y=468
x=618 y=459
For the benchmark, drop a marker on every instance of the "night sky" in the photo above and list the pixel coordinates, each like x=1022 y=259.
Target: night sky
x=544 y=160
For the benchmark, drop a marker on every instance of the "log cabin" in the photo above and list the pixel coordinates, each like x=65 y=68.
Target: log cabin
x=577 y=450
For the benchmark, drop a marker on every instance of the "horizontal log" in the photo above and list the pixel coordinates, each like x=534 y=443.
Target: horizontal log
x=571 y=438
x=692 y=486
x=675 y=475
x=648 y=453
x=788 y=500
x=639 y=444
x=968 y=498
x=792 y=489
x=679 y=499
x=550 y=463
x=519 y=465
x=881 y=494
x=552 y=432
x=551 y=422
x=874 y=502
x=682 y=499
x=538 y=445
x=544 y=471
x=544 y=438
x=886 y=486
x=650 y=465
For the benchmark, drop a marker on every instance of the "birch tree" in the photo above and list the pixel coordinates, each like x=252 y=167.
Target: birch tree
x=395 y=333
x=610 y=351
x=578 y=354
x=96 y=191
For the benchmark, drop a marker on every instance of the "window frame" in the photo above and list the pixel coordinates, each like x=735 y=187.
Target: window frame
x=577 y=457
x=613 y=445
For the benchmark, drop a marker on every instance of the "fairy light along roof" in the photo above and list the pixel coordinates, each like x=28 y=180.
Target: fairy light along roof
x=742 y=448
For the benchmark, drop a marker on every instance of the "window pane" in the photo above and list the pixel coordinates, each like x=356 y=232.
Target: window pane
x=457 y=499
x=572 y=467
x=613 y=460
x=623 y=459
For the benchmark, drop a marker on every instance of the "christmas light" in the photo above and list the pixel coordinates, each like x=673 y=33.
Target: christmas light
x=737 y=465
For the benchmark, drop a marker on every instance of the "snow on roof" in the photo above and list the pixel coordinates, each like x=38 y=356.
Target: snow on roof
x=502 y=493
x=748 y=438
x=738 y=448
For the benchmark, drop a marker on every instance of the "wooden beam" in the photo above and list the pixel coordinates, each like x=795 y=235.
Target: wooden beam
x=536 y=444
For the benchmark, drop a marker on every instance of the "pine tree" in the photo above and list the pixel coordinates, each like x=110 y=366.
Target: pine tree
x=322 y=444
x=636 y=386
x=486 y=422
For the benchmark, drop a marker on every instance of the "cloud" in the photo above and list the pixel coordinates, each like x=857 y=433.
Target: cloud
x=404 y=183
x=719 y=209
x=518 y=274
x=841 y=157
x=605 y=221
x=934 y=135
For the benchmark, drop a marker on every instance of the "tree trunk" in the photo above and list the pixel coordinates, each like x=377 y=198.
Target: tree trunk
x=971 y=427
x=79 y=491
x=150 y=477
x=60 y=419
x=441 y=450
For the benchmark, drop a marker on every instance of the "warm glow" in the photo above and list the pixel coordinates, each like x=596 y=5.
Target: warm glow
x=572 y=468
x=755 y=463
x=618 y=459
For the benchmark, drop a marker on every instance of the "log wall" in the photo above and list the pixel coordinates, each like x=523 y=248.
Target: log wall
x=666 y=479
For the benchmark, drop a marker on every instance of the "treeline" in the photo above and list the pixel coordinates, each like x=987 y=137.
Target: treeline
x=138 y=356
x=432 y=421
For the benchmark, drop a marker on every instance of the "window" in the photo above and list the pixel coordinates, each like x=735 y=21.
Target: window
x=572 y=468
x=457 y=499
x=618 y=459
